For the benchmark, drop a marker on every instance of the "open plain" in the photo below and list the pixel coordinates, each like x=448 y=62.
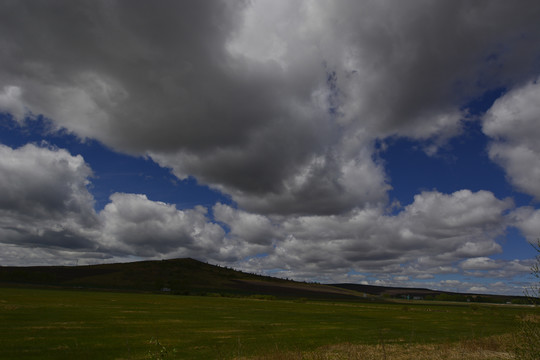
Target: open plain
x=67 y=324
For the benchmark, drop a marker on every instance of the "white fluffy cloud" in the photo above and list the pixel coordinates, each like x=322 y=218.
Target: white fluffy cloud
x=527 y=220
x=512 y=123
x=253 y=228
x=483 y=267
x=45 y=205
x=430 y=236
x=479 y=263
x=44 y=200
x=135 y=225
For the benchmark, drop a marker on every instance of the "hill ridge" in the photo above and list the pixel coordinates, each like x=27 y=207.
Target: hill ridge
x=177 y=276
x=188 y=276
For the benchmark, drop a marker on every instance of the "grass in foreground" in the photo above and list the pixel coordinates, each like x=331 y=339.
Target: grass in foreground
x=59 y=324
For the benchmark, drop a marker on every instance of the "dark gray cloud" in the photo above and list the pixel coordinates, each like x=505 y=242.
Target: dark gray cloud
x=276 y=104
x=423 y=59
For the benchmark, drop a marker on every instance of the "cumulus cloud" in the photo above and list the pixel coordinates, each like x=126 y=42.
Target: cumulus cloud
x=47 y=212
x=479 y=263
x=47 y=215
x=135 y=225
x=527 y=220
x=45 y=206
x=512 y=123
x=44 y=200
x=429 y=237
x=277 y=104
x=251 y=227
x=483 y=267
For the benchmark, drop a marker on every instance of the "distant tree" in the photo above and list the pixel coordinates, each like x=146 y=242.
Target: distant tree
x=528 y=344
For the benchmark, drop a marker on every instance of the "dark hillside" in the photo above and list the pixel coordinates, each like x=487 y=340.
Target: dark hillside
x=178 y=276
x=192 y=277
x=390 y=291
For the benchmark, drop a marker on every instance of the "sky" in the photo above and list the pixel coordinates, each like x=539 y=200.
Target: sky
x=378 y=142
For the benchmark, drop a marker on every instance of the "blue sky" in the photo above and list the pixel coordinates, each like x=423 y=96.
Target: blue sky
x=385 y=142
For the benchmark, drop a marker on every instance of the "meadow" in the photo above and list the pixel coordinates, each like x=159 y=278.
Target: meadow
x=68 y=324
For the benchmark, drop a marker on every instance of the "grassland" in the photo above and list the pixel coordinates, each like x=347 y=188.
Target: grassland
x=67 y=324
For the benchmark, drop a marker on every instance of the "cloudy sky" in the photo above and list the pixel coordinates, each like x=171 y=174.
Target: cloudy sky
x=381 y=142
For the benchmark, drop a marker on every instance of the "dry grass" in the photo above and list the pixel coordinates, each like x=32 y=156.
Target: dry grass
x=527 y=339
x=492 y=348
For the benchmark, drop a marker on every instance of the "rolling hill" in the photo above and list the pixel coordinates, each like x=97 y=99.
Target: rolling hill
x=178 y=276
x=193 y=277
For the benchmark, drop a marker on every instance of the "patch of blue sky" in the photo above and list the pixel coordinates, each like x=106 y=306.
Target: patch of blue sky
x=463 y=163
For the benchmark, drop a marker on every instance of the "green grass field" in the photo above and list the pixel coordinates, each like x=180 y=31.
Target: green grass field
x=63 y=324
